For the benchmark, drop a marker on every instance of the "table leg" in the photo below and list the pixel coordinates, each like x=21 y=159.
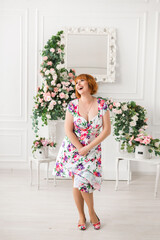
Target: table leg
x=117 y=173
x=55 y=180
x=157 y=178
x=31 y=171
x=128 y=166
x=47 y=171
x=38 y=175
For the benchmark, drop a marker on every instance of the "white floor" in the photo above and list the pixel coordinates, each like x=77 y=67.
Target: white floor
x=131 y=213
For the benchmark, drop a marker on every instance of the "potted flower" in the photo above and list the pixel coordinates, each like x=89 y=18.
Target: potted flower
x=145 y=145
x=58 y=84
x=40 y=147
x=127 y=118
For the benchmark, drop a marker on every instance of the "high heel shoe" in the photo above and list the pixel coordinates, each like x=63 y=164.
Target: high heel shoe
x=82 y=226
x=97 y=225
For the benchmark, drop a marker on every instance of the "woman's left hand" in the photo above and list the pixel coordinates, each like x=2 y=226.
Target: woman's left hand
x=84 y=150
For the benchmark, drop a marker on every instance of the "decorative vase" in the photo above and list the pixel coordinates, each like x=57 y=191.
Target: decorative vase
x=42 y=152
x=141 y=152
x=52 y=129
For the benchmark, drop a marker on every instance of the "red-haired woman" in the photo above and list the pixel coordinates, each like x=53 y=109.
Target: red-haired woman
x=87 y=124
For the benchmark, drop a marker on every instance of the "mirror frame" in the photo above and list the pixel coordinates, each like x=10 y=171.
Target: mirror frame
x=110 y=34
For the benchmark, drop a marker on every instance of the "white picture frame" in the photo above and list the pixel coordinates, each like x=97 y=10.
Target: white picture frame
x=91 y=50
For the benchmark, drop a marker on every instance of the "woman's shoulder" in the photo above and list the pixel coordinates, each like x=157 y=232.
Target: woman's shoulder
x=73 y=102
x=101 y=100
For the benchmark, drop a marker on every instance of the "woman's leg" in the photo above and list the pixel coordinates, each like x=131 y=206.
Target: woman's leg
x=79 y=203
x=88 y=198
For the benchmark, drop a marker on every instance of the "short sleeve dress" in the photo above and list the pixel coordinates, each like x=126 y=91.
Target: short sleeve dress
x=87 y=170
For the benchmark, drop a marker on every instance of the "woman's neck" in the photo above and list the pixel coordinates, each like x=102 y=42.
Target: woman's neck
x=87 y=98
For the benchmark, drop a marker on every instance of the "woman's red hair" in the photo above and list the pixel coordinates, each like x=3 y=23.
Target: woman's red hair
x=93 y=86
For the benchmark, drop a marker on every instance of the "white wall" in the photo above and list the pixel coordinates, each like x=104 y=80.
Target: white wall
x=25 y=26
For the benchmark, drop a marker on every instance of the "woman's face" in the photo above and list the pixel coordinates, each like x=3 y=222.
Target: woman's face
x=82 y=86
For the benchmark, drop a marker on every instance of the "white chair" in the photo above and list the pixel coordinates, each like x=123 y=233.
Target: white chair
x=38 y=162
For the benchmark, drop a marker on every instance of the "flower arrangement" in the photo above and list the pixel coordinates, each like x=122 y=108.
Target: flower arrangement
x=146 y=140
x=58 y=84
x=130 y=123
x=42 y=142
x=127 y=119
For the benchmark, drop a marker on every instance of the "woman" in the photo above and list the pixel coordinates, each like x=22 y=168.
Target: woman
x=87 y=124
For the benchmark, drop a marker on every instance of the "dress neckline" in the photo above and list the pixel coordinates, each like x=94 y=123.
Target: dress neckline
x=83 y=117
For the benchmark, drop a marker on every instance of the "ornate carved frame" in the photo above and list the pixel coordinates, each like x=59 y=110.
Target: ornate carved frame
x=110 y=33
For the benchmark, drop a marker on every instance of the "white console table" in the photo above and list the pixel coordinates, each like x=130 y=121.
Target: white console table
x=130 y=157
x=38 y=162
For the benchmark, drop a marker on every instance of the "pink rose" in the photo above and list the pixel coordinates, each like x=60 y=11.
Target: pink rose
x=53 y=94
x=59 y=50
x=44 y=142
x=62 y=95
x=52 y=50
x=47 y=96
x=36 y=106
x=110 y=106
x=45 y=58
x=70 y=75
x=138 y=140
x=55 y=89
x=36 y=144
x=52 y=71
x=38 y=89
x=49 y=63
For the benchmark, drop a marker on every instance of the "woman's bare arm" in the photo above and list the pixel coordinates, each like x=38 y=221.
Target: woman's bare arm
x=105 y=132
x=69 y=131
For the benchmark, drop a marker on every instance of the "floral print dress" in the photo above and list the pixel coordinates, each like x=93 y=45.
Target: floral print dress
x=87 y=170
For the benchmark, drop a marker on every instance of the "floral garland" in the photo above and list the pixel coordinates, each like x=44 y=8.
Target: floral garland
x=58 y=86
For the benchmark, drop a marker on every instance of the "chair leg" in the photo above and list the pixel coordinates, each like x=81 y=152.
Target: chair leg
x=157 y=179
x=117 y=173
x=47 y=171
x=38 y=175
x=31 y=171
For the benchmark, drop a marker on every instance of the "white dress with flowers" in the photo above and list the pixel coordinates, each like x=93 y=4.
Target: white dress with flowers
x=87 y=170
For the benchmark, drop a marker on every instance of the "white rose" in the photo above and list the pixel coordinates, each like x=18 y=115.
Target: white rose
x=133 y=123
x=118 y=104
x=53 y=102
x=45 y=89
x=156 y=144
x=66 y=97
x=58 y=66
x=59 y=102
x=58 y=85
x=55 y=77
x=124 y=107
x=135 y=118
x=48 y=116
x=47 y=72
x=64 y=75
x=53 y=82
x=50 y=107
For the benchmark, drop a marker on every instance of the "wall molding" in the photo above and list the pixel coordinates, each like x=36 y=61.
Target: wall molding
x=23 y=74
x=142 y=16
x=157 y=33
x=22 y=133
